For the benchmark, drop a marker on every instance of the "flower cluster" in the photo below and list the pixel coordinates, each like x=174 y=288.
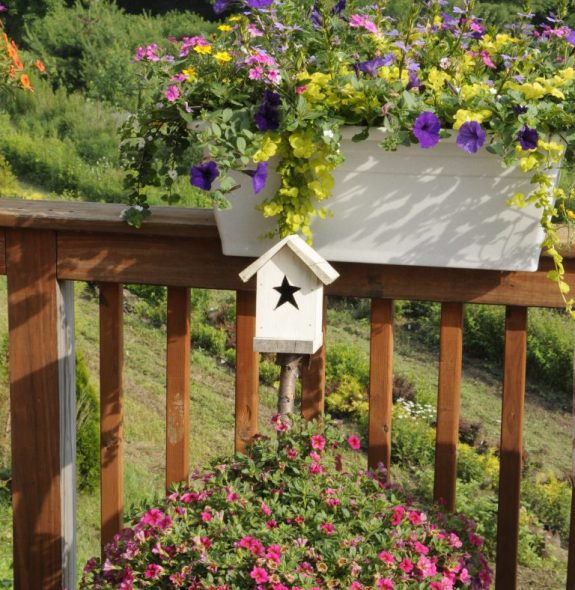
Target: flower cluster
x=291 y=516
x=281 y=78
x=12 y=72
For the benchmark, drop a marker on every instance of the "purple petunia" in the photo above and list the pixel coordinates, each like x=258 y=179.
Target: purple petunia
x=371 y=66
x=339 y=7
x=268 y=115
x=260 y=177
x=528 y=138
x=259 y=3
x=426 y=128
x=221 y=5
x=570 y=38
x=471 y=137
x=203 y=175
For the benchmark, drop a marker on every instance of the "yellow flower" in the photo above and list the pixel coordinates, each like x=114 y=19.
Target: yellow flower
x=234 y=19
x=225 y=28
x=464 y=116
x=528 y=163
x=303 y=146
x=222 y=57
x=436 y=79
x=191 y=74
x=268 y=149
x=469 y=91
x=203 y=49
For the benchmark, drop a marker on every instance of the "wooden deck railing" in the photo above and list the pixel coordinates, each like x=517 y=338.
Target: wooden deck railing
x=45 y=246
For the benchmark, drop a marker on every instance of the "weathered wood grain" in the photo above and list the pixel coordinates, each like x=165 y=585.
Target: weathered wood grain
x=511 y=447
x=111 y=410
x=35 y=409
x=247 y=371
x=198 y=262
x=178 y=386
x=448 y=401
x=380 y=383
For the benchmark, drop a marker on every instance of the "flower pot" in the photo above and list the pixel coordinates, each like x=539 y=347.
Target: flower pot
x=439 y=207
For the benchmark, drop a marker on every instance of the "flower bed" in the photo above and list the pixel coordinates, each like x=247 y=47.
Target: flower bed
x=291 y=516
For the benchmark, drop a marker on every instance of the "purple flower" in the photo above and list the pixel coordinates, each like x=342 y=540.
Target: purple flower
x=339 y=7
x=268 y=115
x=471 y=137
x=203 y=175
x=259 y=3
x=520 y=109
x=221 y=5
x=316 y=17
x=570 y=38
x=528 y=138
x=3 y=8
x=426 y=128
x=260 y=177
x=414 y=82
x=371 y=66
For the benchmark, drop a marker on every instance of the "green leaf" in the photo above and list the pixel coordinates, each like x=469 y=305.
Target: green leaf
x=361 y=136
x=241 y=144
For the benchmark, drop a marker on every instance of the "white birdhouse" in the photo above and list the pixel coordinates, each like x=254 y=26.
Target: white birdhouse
x=289 y=300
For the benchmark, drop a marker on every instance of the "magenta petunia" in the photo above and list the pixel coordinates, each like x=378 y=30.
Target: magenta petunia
x=426 y=128
x=318 y=442
x=471 y=137
x=354 y=442
x=260 y=575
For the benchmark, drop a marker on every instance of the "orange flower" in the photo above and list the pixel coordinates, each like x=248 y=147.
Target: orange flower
x=25 y=81
x=40 y=65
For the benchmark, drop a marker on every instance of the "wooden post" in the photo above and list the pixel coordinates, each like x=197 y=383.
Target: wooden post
x=448 y=401
x=380 y=383
x=313 y=378
x=36 y=393
x=178 y=386
x=511 y=447
x=111 y=410
x=289 y=374
x=247 y=370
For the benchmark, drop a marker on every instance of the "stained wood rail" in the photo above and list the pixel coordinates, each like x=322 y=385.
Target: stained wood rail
x=44 y=246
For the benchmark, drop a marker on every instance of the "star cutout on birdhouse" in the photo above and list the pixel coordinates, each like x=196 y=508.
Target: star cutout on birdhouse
x=286 y=292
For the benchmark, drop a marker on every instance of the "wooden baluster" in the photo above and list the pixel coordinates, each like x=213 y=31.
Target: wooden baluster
x=511 y=447
x=111 y=410
x=247 y=370
x=313 y=378
x=380 y=383
x=178 y=386
x=571 y=556
x=448 y=401
x=39 y=390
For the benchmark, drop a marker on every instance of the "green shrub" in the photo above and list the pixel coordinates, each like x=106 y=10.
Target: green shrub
x=412 y=439
x=348 y=398
x=269 y=372
x=550 y=499
x=209 y=339
x=88 y=428
x=8 y=182
x=342 y=361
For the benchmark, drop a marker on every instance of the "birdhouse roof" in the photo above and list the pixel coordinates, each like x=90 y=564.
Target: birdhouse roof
x=316 y=264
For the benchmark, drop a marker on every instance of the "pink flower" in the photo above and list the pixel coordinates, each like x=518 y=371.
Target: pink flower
x=464 y=576
x=386 y=557
x=454 y=540
x=417 y=518
x=271 y=524
x=280 y=423
x=357 y=20
x=274 y=553
x=355 y=586
x=154 y=571
x=327 y=528
x=178 y=579
x=354 y=442
x=406 y=565
x=300 y=89
x=315 y=456
x=427 y=567
x=232 y=497
x=475 y=540
x=256 y=73
x=420 y=548
x=291 y=453
x=172 y=93
x=333 y=501
x=487 y=59
x=385 y=584
x=265 y=509
x=398 y=513
x=318 y=442
x=254 y=31
x=260 y=575
x=315 y=468
x=206 y=516
x=154 y=517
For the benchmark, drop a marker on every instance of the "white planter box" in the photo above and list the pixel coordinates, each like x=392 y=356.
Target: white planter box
x=439 y=207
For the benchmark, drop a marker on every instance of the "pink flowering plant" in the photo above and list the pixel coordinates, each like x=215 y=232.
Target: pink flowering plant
x=273 y=88
x=292 y=515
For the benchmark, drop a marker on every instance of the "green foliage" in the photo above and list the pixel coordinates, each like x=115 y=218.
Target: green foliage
x=348 y=399
x=269 y=372
x=88 y=428
x=90 y=46
x=8 y=182
x=342 y=361
x=209 y=339
x=412 y=440
x=549 y=498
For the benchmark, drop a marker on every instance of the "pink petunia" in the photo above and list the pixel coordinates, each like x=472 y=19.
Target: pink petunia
x=154 y=571
x=328 y=528
x=406 y=565
x=386 y=557
x=355 y=585
x=260 y=575
x=318 y=442
x=416 y=518
x=354 y=442
x=207 y=516
x=172 y=93
x=265 y=509
x=385 y=584
x=397 y=516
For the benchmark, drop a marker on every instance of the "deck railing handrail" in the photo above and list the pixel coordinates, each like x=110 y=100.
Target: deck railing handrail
x=45 y=245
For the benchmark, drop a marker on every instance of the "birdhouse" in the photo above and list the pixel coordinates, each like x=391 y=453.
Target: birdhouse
x=289 y=299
